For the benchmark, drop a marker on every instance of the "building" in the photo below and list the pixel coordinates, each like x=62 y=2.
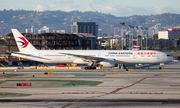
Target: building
x=60 y=31
x=112 y=30
x=157 y=28
x=106 y=29
x=32 y=29
x=99 y=32
x=140 y=31
x=151 y=32
x=45 y=29
x=172 y=33
x=55 y=41
x=26 y=31
x=85 y=27
x=117 y=32
x=114 y=43
x=161 y=42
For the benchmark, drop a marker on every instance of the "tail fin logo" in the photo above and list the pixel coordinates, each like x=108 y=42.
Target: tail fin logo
x=23 y=42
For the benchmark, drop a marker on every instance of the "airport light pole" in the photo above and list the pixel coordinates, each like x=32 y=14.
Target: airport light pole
x=123 y=24
x=146 y=37
x=132 y=33
x=137 y=36
x=141 y=37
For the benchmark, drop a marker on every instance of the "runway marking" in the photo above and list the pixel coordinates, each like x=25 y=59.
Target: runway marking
x=110 y=86
x=107 y=73
x=97 y=84
x=77 y=92
x=116 y=90
x=145 y=93
x=175 y=86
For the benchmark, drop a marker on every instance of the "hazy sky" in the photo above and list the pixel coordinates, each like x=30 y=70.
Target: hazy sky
x=115 y=7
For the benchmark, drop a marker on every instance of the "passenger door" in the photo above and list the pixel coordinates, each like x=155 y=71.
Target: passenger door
x=69 y=57
x=134 y=55
x=158 y=56
x=40 y=54
x=99 y=54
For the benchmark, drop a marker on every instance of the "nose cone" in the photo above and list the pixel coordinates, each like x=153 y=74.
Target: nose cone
x=171 y=58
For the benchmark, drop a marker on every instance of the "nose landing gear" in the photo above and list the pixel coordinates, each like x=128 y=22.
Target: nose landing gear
x=161 y=66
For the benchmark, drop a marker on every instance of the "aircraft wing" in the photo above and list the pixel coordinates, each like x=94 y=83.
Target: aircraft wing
x=21 y=53
x=24 y=54
x=8 y=52
x=93 y=58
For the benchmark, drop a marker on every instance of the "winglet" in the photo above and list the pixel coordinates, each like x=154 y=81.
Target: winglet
x=23 y=44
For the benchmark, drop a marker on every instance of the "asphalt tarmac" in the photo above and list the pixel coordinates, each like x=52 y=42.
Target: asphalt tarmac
x=141 y=88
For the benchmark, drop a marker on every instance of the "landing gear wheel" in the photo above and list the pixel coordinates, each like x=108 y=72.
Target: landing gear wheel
x=124 y=65
x=90 y=67
x=93 y=68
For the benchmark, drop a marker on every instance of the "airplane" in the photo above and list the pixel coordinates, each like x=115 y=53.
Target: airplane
x=106 y=58
x=135 y=47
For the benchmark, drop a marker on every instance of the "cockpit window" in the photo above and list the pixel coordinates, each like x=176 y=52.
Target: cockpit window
x=168 y=55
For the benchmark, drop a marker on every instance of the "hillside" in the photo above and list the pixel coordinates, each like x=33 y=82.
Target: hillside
x=22 y=19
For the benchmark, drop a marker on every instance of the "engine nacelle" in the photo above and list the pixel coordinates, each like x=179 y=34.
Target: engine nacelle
x=108 y=63
x=80 y=61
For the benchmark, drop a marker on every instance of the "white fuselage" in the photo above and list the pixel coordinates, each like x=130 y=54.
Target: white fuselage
x=106 y=58
x=120 y=56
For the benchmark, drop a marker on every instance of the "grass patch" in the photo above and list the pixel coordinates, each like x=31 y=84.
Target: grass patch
x=70 y=84
x=2 y=82
x=4 y=95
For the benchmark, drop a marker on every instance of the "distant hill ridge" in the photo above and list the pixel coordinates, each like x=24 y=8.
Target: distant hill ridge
x=60 y=20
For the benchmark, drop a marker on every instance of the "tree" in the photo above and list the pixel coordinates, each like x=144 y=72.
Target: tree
x=104 y=35
x=178 y=40
x=155 y=37
x=154 y=43
x=160 y=45
x=149 y=48
x=144 y=43
x=178 y=47
x=127 y=40
x=166 y=44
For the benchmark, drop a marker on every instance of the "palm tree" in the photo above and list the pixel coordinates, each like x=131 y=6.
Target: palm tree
x=127 y=39
x=160 y=45
x=144 y=43
x=166 y=44
x=154 y=43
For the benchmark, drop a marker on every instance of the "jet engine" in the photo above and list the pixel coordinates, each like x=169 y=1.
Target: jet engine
x=108 y=63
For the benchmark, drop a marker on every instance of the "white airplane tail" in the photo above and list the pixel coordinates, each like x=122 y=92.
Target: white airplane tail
x=23 y=44
x=135 y=47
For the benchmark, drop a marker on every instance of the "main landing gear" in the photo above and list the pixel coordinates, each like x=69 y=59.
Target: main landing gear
x=90 y=67
x=123 y=66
